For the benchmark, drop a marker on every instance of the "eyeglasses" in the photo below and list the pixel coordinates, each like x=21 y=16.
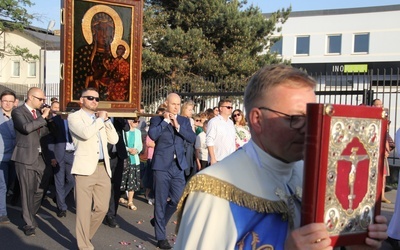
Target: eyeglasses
x=5 y=101
x=237 y=115
x=228 y=107
x=296 y=121
x=40 y=99
x=91 y=98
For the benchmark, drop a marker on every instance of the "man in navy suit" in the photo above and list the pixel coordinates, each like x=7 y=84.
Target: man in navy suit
x=7 y=143
x=61 y=153
x=169 y=132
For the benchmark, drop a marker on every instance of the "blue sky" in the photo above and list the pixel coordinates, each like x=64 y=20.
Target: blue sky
x=49 y=10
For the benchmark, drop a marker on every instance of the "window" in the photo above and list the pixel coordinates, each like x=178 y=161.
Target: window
x=334 y=45
x=302 y=45
x=31 y=69
x=16 y=69
x=361 y=43
x=277 y=47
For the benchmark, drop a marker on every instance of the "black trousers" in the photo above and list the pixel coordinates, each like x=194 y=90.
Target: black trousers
x=31 y=186
x=117 y=167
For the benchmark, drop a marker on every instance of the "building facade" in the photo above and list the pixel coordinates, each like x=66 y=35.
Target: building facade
x=342 y=40
x=354 y=54
x=19 y=74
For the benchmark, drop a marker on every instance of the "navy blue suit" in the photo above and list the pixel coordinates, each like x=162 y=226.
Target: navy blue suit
x=168 y=164
x=63 y=179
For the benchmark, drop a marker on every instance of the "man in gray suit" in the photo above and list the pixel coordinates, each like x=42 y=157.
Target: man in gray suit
x=7 y=143
x=30 y=123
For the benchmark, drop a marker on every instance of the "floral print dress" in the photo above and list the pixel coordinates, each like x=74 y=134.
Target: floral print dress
x=242 y=135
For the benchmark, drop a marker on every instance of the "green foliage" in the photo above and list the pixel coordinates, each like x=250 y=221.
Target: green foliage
x=14 y=16
x=23 y=52
x=196 y=39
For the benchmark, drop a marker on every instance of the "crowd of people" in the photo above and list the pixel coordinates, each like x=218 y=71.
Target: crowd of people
x=40 y=147
x=222 y=168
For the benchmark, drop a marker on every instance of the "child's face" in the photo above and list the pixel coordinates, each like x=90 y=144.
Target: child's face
x=133 y=123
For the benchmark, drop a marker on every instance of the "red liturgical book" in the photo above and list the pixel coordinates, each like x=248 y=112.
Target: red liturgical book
x=343 y=169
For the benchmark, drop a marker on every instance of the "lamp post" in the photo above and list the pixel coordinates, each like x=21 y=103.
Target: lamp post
x=50 y=27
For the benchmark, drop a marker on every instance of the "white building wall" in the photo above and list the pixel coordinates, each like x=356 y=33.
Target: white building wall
x=53 y=66
x=383 y=27
x=6 y=68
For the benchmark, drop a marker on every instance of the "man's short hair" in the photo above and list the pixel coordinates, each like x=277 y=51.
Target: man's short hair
x=271 y=76
x=88 y=89
x=221 y=102
x=7 y=92
x=373 y=101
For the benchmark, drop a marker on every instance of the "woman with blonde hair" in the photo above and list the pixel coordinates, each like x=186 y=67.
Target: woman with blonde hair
x=242 y=130
x=187 y=111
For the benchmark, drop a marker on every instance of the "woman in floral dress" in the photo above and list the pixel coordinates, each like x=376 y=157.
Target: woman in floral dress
x=131 y=175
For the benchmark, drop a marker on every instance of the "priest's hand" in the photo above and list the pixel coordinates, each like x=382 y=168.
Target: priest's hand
x=311 y=236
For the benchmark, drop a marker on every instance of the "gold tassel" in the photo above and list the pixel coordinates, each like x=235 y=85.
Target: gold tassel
x=222 y=189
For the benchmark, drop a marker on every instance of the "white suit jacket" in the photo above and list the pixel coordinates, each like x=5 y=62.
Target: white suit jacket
x=84 y=131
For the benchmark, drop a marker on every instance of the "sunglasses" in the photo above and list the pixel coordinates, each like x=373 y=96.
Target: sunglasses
x=91 y=98
x=40 y=99
x=236 y=115
x=198 y=120
x=228 y=107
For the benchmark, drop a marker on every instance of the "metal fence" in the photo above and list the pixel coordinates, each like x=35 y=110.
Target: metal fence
x=349 y=89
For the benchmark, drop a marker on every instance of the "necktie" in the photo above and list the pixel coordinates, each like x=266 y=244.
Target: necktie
x=34 y=117
x=34 y=114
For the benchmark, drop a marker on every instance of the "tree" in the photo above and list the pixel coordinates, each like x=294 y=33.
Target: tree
x=194 y=39
x=14 y=16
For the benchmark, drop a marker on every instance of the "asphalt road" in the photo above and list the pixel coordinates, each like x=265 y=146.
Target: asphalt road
x=135 y=231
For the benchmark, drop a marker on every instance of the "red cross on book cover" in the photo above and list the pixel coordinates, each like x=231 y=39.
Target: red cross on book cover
x=343 y=169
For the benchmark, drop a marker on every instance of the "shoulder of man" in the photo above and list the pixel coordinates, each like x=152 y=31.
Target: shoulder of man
x=19 y=109
x=156 y=118
x=76 y=113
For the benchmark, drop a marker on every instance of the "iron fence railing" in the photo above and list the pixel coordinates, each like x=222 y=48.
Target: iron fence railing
x=348 y=89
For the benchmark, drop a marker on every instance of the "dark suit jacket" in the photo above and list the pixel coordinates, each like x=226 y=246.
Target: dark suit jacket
x=169 y=142
x=28 y=133
x=120 y=125
x=57 y=139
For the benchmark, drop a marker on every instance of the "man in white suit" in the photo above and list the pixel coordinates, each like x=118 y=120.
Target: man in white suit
x=91 y=130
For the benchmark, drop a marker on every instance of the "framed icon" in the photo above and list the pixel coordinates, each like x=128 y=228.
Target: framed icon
x=101 y=48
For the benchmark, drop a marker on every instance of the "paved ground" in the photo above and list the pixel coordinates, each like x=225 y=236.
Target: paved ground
x=135 y=231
